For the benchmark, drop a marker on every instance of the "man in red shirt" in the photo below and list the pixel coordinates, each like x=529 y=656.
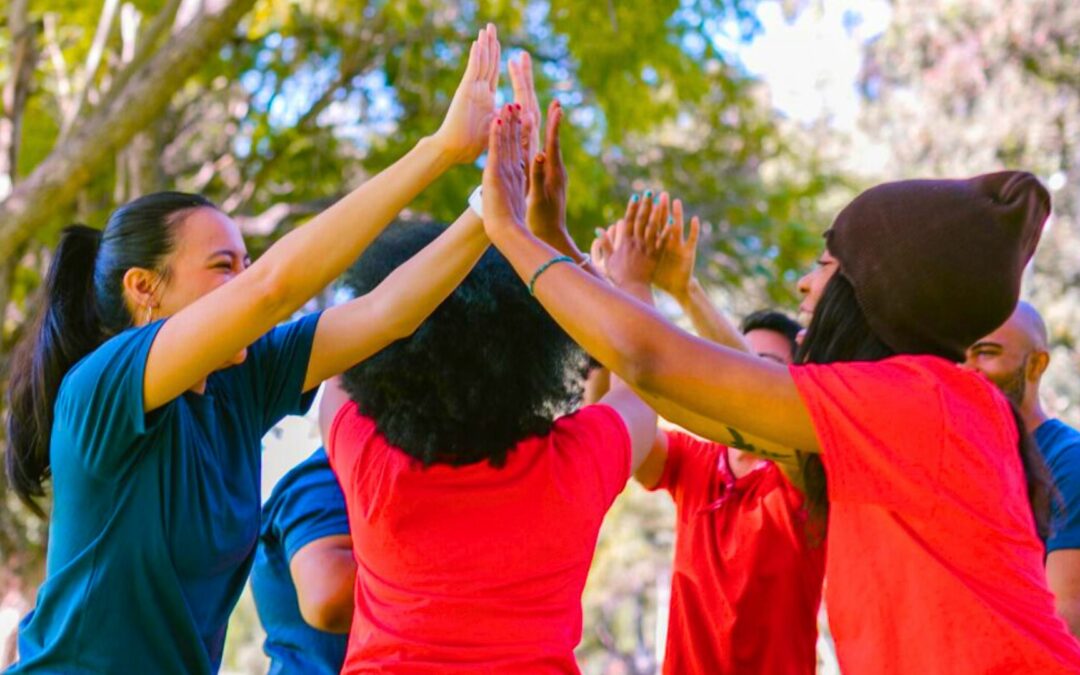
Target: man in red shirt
x=748 y=565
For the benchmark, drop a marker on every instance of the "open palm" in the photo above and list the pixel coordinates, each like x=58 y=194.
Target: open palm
x=464 y=131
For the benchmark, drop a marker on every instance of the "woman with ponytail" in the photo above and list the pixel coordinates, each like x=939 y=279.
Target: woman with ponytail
x=934 y=560
x=155 y=368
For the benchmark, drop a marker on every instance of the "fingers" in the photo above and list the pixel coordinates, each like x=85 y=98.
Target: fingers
x=515 y=152
x=644 y=210
x=482 y=55
x=517 y=82
x=494 y=55
x=472 y=69
x=677 y=216
x=551 y=143
x=695 y=231
x=656 y=223
x=623 y=231
x=602 y=246
x=536 y=170
x=624 y=227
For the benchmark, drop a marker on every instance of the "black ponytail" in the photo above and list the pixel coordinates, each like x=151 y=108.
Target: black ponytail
x=66 y=329
x=84 y=305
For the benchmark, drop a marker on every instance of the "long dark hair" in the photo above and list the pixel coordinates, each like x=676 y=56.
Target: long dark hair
x=83 y=306
x=839 y=331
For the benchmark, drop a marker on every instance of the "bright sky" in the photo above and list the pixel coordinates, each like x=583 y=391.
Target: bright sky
x=811 y=64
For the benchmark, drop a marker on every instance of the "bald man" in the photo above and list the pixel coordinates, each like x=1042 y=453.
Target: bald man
x=1014 y=357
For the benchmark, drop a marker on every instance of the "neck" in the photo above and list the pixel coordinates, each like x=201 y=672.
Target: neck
x=741 y=463
x=1031 y=411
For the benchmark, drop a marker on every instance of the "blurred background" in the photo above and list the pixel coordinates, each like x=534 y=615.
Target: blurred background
x=764 y=116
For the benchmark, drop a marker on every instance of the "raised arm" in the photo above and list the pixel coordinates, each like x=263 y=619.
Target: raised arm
x=213 y=329
x=675 y=276
x=633 y=340
x=351 y=332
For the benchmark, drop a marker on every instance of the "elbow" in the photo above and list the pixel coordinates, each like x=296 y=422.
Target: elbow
x=328 y=614
x=638 y=361
x=270 y=293
x=1069 y=610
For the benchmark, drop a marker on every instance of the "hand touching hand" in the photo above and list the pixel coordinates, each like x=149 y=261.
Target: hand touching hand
x=464 y=131
x=521 y=80
x=504 y=173
x=547 y=185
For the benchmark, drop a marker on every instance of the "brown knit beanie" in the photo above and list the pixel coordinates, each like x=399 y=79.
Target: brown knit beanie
x=936 y=264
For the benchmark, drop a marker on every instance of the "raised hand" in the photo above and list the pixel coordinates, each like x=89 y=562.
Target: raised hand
x=637 y=247
x=464 y=131
x=547 y=184
x=521 y=80
x=676 y=267
x=504 y=173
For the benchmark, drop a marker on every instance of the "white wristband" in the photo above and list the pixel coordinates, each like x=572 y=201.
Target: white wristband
x=476 y=201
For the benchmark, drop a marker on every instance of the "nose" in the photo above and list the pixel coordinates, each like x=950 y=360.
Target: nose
x=804 y=284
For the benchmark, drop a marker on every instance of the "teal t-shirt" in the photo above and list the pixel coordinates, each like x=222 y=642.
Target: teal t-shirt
x=155 y=516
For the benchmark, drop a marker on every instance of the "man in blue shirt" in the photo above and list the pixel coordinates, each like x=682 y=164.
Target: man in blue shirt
x=1014 y=357
x=304 y=569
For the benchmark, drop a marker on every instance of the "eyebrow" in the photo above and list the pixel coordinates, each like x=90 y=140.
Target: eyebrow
x=230 y=253
x=986 y=343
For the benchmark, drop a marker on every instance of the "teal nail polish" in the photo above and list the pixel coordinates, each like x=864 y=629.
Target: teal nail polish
x=648 y=194
x=656 y=199
x=635 y=198
x=670 y=220
x=599 y=232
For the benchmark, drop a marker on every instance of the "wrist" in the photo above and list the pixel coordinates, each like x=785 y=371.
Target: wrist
x=642 y=290
x=435 y=151
x=685 y=295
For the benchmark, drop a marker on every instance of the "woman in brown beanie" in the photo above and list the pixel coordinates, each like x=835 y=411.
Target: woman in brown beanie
x=934 y=554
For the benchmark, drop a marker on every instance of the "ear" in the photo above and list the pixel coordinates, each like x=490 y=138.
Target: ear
x=1037 y=365
x=140 y=285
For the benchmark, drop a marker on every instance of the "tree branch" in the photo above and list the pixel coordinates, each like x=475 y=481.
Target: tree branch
x=55 y=182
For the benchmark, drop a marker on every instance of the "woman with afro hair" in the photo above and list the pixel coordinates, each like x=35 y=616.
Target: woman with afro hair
x=474 y=498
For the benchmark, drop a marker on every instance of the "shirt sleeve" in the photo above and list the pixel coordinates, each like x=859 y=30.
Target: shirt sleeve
x=880 y=428
x=100 y=401
x=1064 y=468
x=273 y=372
x=598 y=435
x=673 y=464
x=309 y=508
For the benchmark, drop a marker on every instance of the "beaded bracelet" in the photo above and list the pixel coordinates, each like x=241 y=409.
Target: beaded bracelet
x=543 y=268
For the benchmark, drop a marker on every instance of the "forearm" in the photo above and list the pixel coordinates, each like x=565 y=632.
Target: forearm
x=709 y=322
x=413 y=291
x=349 y=333
x=653 y=356
x=307 y=259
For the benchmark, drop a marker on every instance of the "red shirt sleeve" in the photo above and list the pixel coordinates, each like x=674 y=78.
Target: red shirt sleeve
x=348 y=430
x=881 y=428
x=596 y=436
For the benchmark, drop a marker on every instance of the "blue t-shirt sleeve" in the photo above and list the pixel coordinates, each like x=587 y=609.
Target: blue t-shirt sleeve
x=1062 y=454
x=273 y=372
x=99 y=407
x=310 y=507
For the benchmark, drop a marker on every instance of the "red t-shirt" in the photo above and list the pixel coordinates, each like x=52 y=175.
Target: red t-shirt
x=475 y=569
x=745 y=573
x=934 y=563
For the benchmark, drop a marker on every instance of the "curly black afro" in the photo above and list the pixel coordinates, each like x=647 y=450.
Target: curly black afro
x=487 y=369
